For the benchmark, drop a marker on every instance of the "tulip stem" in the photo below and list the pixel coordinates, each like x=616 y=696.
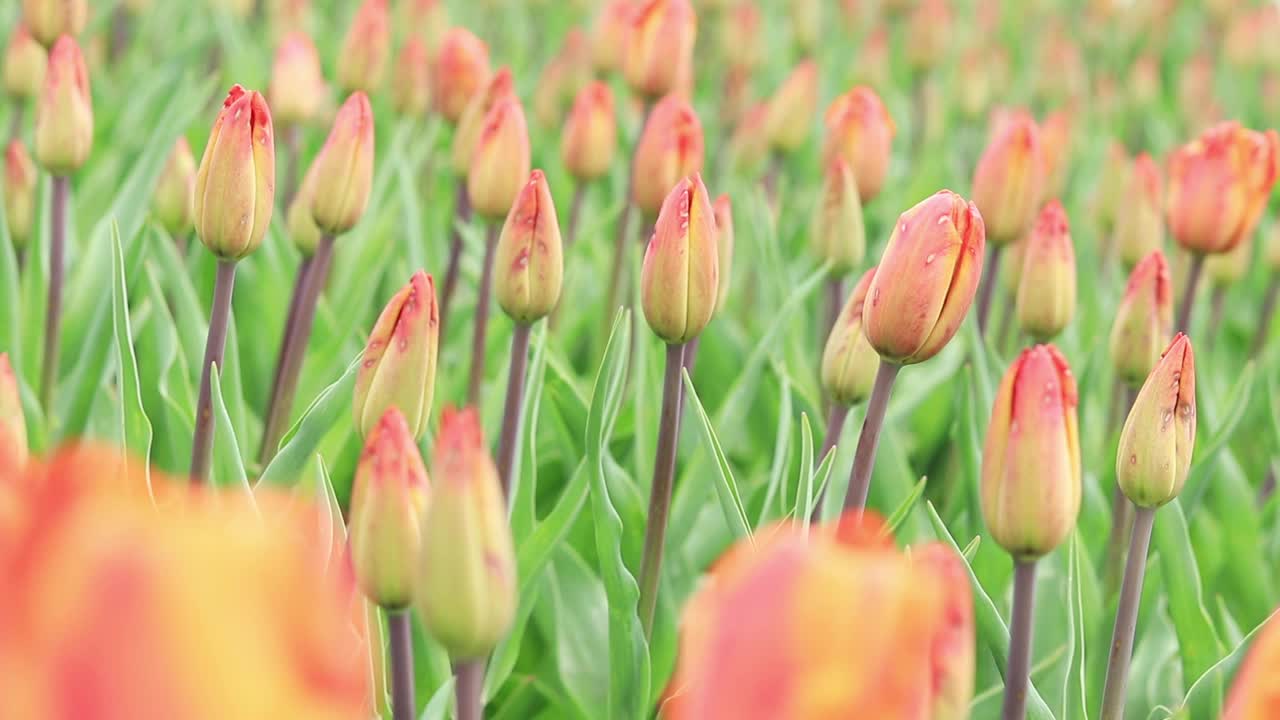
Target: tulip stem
x=1018 y=672
x=864 y=459
x=273 y=427
x=1217 y=305
x=461 y=214
x=214 y=345
x=53 y=311
x=509 y=441
x=1189 y=294
x=575 y=212
x=1121 y=507
x=1113 y=691
x=664 y=469
x=1266 y=314
x=835 y=424
x=482 y=317
x=402 y=702
x=990 y=276
x=15 y=120
x=835 y=296
x=469 y=689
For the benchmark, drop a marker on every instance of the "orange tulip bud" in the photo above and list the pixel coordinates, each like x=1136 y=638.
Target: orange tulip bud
x=1219 y=185
x=528 y=261
x=838 y=234
x=590 y=135
x=366 y=48
x=303 y=230
x=236 y=181
x=740 y=39
x=929 y=31
x=467 y=583
x=388 y=497
x=427 y=22
x=1046 y=298
x=749 y=145
x=174 y=200
x=670 y=148
x=859 y=129
x=13 y=426
x=1140 y=224
x=411 y=89
x=48 y=20
x=1031 y=461
x=792 y=107
x=461 y=70
x=926 y=279
x=722 y=208
x=21 y=179
x=398 y=368
x=1160 y=433
x=500 y=87
x=849 y=363
x=287 y=15
x=344 y=168
x=297 y=84
x=1144 y=320
x=609 y=34
x=1255 y=694
x=561 y=79
x=679 y=282
x=659 y=46
x=24 y=64
x=64 y=113
x=500 y=161
x=1008 y=181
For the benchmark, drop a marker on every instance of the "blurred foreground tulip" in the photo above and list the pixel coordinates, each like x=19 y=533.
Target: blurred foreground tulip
x=528 y=262
x=366 y=48
x=500 y=160
x=344 y=168
x=1139 y=222
x=679 y=280
x=670 y=148
x=1160 y=432
x=21 y=178
x=13 y=427
x=64 y=114
x=859 y=129
x=1255 y=693
x=24 y=64
x=50 y=19
x=1046 y=299
x=792 y=107
x=849 y=363
x=838 y=235
x=1143 y=321
x=461 y=70
x=659 y=46
x=235 y=183
x=398 y=368
x=589 y=138
x=297 y=89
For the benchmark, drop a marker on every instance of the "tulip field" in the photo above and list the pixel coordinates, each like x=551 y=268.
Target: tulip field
x=630 y=359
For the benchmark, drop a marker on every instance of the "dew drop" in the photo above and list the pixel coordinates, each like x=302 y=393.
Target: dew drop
x=1133 y=459
x=929 y=260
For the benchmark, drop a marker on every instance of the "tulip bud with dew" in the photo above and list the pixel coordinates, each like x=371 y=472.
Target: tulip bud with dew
x=1143 y=320
x=1160 y=433
x=411 y=86
x=21 y=178
x=849 y=363
x=658 y=46
x=670 y=148
x=366 y=48
x=722 y=208
x=500 y=87
x=838 y=234
x=1031 y=462
x=500 y=160
x=859 y=129
x=460 y=71
x=1046 y=299
x=344 y=168
x=679 y=282
x=236 y=180
x=926 y=279
x=528 y=261
x=297 y=89
x=1139 y=221
x=64 y=113
x=24 y=64
x=48 y=20
x=388 y=498
x=13 y=427
x=1219 y=185
x=792 y=107
x=589 y=139
x=1009 y=177
x=398 y=368
x=173 y=202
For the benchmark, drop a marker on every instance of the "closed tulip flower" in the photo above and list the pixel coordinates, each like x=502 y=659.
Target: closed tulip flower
x=344 y=168
x=1219 y=185
x=500 y=161
x=398 y=368
x=461 y=70
x=366 y=48
x=236 y=181
x=1160 y=432
x=609 y=34
x=528 y=261
x=658 y=48
x=412 y=84
x=50 y=19
x=24 y=64
x=1007 y=183
x=426 y=20
x=1143 y=321
x=926 y=279
x=590 y=135
x=679 y=282
x=739 y=33
x=297 y=89
x=722 y=208
x=13 y=426
x=849 y=363
x=670 y=148
x=792 y=107
x=64 y=114
x=500 y=87
x=388 y=497
x=173 y=202
x=1046 y=299
x=20 y=181
x=1255 y=694
x=1139 y=224
x=467 y=577
x=1031 y=461
x=838 y=233
x=859 y=129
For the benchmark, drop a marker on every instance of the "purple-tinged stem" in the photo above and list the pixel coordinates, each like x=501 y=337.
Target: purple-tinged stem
x=664 y=470
x=864 y=458
x=1189 y=294
x=1017 y=674
x=482 y=317
x=1113 y=691
x=1121 y=507
x=1266 y=313
x=575 y=213
x=402 y=700
x=469 y=689
x=990 y=276
x=835 y=300
x=53 y=313
x=508 y=440
x=274 y=419
x=461 y=214
x=1217 y=307
x=835 y=425
x=214 y=345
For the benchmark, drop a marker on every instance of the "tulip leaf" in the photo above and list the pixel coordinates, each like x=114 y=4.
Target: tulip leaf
x=900 y=513
x=802 y=509
x=1206 y=691
x=1236 y=404
x=1198 y=642
x=10 y=296
x=133 y=418
x=735 y=515
x=781 y=457
x=228 y=467
x=441 y=700
x=301 y=441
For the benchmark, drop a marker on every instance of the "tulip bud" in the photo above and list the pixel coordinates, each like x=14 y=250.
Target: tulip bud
x=749 y=145
x=173 y=203
x=1219 y=185
x=500 y=87
x=24 y=63
x=1253 y=693
x=528 y=262
x=872 y=66
x=20 y=181
x=64 y=114
x=344 y=168
x=849 y=363
x=859 y=129
x=953 y=662
x=974 y=84
x=792 y=107
x=50 y=19
x=1140 y=222
x=679 y=281
x=461 y=70
x=236 y=182
x=839 y=236
x=427 y=21
x=1031 y=461
x=388 y=497
x=590 y=134
x=722 y=209
x=926 y=279
x=1226 y=269
x=286 y=15
x=609 y=34
x=1160 y=432
x=398 y=368
x=411 y=91
x=365 y=49
x=302 y=225
x=13 y=427
x=297 y=83
x=467 y=583
x=929 y=30
x=500 y=161
x=659 y=46
x=1046 y=298
x=1007 y=183
x=670 y=148
x=740 y=39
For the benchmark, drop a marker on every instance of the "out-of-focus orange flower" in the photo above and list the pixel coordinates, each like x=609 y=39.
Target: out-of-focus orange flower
x=929 y=32
x=792 y=107
x=1219 y=185
x=659 y=46
x=1008 y=182
x=366 y=48
x=609 y=34
x=670 y=148
x=740 y=39
x=215 y=607
x=461 y=70
x=590 y=134
x=1255 y=694
x=749 y=145
x=859 y=129
x=1139 y=229
x=834 y=625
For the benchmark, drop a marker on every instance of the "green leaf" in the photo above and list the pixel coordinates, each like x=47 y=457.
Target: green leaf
x=1198 y=643
x=803 y=507
x=136 y=427
x=228 y=468
x=441 y=700
x=900 y=513
x=735 y=515
x=1237 y=404
x=781 y=457
x=302 y=440
x=1207 y=688
x=10 y=297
